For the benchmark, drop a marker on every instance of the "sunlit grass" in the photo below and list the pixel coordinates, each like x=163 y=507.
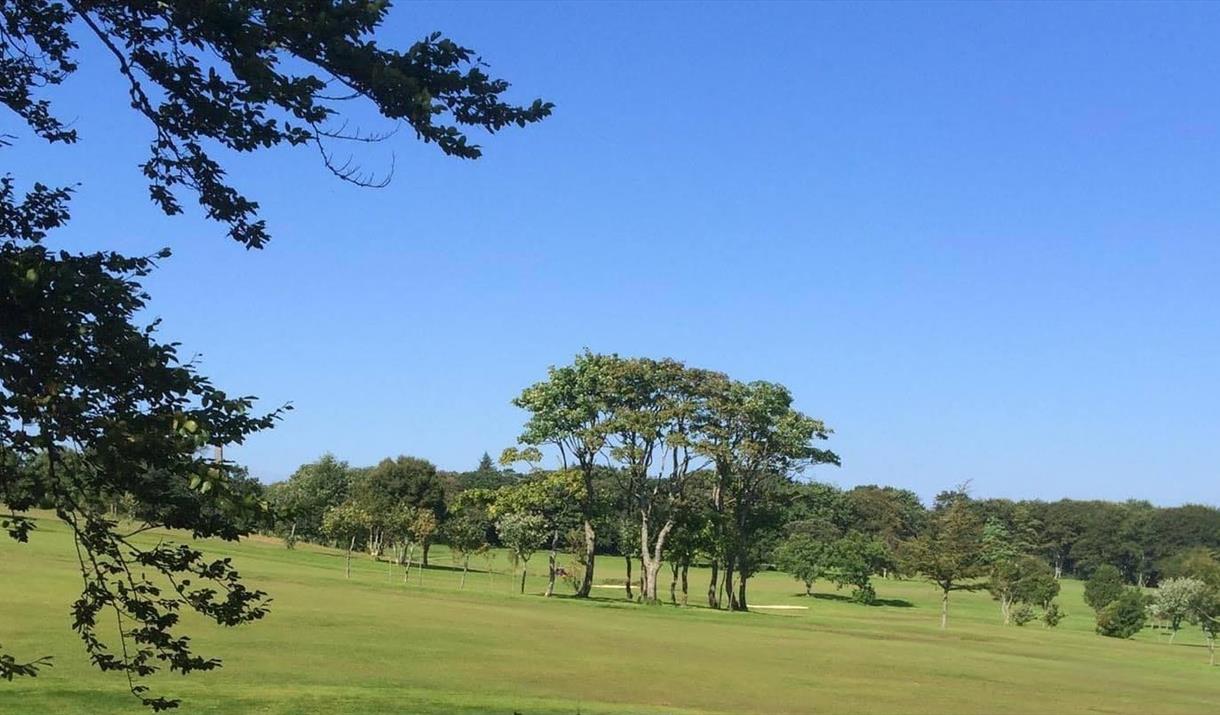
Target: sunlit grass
x=375 y=644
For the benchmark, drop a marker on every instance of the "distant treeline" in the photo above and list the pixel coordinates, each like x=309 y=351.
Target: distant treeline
x=1075 y=537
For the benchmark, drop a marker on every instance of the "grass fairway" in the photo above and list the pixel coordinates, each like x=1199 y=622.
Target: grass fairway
x=372 y=644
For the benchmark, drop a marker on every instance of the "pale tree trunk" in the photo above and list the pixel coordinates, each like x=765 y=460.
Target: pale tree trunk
x=944 y=609
x=292 y=536
x=627 y=583
x=1172 y=632
x=550 y=583
x=809 y=588
x=586 y=585
x=1211 y=647
x=410 y=554
x=465 y=568
x=350 y=546
x=651 y=559
x=1006 y=608
x=730 y=596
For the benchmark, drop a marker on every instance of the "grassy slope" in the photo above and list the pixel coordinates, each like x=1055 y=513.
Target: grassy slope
x=371 y=644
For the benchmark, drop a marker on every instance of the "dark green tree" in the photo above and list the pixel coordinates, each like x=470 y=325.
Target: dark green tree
x=1103 y=587
x=409 y=481
x=949 y=553
x=1124 y=616
x=111 y=413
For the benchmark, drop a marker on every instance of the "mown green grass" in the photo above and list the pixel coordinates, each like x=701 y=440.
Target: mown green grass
x=371 y=644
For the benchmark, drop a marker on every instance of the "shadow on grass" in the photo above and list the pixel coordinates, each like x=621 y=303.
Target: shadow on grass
x=891 y=602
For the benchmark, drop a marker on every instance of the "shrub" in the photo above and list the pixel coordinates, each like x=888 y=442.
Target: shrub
x=1053 y=615
x=1124 y=616
x=1103 y=587
x=1024 y=613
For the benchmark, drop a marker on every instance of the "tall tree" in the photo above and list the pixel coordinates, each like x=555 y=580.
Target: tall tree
x=949 y=553
x=569 y=412
x=755 y=440
x=302 y=500
x=404 y=480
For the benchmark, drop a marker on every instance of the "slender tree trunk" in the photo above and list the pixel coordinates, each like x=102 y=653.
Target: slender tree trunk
x=292 y=536
x=673 y=583
x=465 y=568
x=630 y=595
x=424 y=560
x=713 y=586
x=421 y=574
x=1006 y=608
x=730 y=597
x=944 y=609
x=651 y=558
x=350 y=546
x=550 y=583
x=523 y=573
x=1172 y=632
x=685 y=589
x=1211 y=647
x=809 y=588
x=586 y=585
x=407 y=572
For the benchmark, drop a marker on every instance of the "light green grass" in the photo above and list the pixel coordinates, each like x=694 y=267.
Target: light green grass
x=372 y=644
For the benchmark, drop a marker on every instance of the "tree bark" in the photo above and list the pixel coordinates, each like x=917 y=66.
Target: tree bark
x=713 y=586
x=730 y=597
x=465 y=568
x=586 y=585
x=350 y=546
x=685 y=590
x=741 y=591
x=427 y=545
x=650 y=558
x=550 y=584
x=944 y=609
x=673 y=583
x=523 y=573
x=630 y=595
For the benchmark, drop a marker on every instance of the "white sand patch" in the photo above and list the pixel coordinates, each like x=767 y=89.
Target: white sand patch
x=782 y=608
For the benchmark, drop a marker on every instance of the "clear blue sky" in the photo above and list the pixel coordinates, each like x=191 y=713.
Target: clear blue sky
x=980 y=241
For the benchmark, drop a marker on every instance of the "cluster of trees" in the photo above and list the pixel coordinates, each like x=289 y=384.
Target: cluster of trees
x=1192 y=597
x=667 y=465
